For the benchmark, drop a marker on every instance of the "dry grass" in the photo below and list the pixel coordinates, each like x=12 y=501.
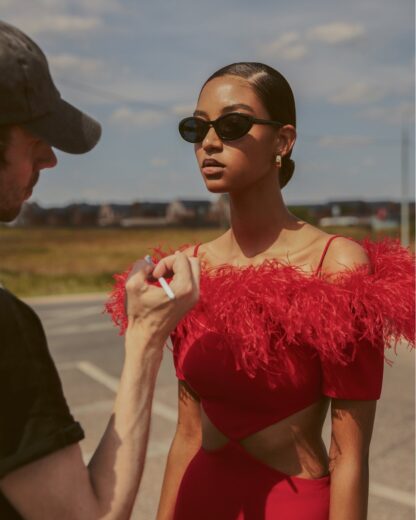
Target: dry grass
x=58 y=261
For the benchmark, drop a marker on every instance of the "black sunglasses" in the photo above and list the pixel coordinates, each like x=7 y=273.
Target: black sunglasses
x=228 y=127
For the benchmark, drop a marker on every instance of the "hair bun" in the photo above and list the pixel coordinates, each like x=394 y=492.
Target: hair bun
x=286 y=171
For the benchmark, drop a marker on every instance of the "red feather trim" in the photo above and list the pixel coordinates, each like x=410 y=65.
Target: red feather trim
x=115 y=305
x=260 y=311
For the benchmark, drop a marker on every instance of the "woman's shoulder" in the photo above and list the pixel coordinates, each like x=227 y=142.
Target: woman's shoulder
x=204 y=250
x=326 y=252
x=342 y=254
x=191 y=249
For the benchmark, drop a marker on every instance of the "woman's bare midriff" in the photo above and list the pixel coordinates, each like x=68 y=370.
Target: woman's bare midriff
x=293 y=446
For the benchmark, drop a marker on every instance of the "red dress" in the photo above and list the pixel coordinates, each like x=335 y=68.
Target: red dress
x=265 y=342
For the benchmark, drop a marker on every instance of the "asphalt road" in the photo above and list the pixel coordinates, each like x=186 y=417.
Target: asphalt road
x=89 y=356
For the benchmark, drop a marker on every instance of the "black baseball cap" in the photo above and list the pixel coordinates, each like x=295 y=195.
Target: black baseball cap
x=29 y=97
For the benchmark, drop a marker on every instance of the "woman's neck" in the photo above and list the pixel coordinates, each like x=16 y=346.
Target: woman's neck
x=258 y=218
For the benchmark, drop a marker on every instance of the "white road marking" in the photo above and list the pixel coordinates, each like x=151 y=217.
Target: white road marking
x=167 y=412
x=395 y=495
x=157 y=449
x=80 y=329
x=162 y=410
x=98 y=375
x=66 y=298
x=71 y=314
x=70 y=365
x=97 y=406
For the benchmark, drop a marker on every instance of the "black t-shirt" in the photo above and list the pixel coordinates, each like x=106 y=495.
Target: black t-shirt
x=34 y=416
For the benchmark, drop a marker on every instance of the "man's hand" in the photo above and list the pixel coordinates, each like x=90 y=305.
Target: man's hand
x=148 y=307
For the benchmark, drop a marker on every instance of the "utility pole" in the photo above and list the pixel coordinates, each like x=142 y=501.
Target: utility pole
x=405 y=185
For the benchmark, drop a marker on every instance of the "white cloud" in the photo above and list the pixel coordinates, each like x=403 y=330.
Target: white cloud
x=398 y=114
x=127 y=116
x=39 y=7
x=158 y=162
x=183 y=110
x=77 y=65
x=344 y=141
x=292 y=46
x=336 y=32
x=136 y=87
x=99 y=6
x=58 y=23
x=288 y=46
x=361 y=92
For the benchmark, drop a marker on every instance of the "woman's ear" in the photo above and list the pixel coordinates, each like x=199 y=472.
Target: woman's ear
x=286 y=139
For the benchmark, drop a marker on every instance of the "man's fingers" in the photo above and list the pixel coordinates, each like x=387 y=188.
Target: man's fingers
x=138 y=274
x=185 y=271
x=183 y=283
x=196 y=270
x=172 y=264
x=164 y=267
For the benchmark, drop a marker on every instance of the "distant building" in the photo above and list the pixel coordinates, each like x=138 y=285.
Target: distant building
x=82 y=215
x=31 y=214
x=146 y=214
x=189 y=212
x=74 y=215
x=220 y=211
x=344 y=221
x=112 y=214
x=376 y=215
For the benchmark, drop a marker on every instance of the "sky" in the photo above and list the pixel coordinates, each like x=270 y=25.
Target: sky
x=138 y=67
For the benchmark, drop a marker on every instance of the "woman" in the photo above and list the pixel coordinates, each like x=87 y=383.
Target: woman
x=290 y=320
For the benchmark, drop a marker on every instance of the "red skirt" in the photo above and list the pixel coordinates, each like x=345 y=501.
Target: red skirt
x=230 y=484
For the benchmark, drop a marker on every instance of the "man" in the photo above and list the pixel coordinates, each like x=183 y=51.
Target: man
x=42 y=474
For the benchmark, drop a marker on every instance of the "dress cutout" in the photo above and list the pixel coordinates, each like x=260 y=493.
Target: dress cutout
x=266 y=341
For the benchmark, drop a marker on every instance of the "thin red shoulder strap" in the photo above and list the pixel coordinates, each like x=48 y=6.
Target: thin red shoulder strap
x=196 y=249
x=321 y=261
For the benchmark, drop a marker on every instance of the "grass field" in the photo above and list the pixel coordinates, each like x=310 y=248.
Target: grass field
x=43 y=261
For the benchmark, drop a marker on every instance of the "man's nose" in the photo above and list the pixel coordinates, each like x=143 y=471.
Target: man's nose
x=48 y=158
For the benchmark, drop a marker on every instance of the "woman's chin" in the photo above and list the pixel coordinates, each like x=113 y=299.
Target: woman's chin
x=216 y=189
x=216 y=185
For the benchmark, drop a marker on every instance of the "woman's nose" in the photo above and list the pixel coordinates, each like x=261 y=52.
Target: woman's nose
x=211 y=140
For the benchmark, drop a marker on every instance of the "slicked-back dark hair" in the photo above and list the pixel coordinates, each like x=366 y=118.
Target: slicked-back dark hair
x=276 y=95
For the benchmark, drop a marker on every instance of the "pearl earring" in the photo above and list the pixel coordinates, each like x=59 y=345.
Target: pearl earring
x=278 y=160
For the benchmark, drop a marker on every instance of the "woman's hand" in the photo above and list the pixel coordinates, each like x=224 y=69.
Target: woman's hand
x=149 y=309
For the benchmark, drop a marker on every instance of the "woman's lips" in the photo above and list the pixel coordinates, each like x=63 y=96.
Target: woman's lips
x=212 y=170
x=212 y=167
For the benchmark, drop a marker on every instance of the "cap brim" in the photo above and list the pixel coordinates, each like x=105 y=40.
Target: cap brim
x=67 y=129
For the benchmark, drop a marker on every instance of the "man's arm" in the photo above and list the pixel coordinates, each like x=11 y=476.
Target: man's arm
x=59 y=485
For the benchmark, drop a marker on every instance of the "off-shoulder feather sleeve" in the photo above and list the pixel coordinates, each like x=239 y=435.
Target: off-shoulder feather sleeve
x=260 y=311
